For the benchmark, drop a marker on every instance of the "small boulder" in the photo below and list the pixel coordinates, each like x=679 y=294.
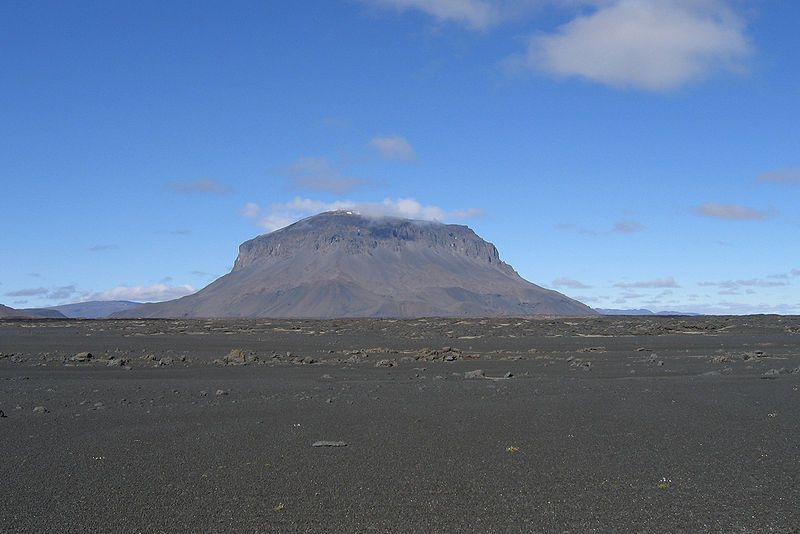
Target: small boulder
x=239 y=357
x=81 y=357
x=40 y=409
x=775 y=373
x=473 y=375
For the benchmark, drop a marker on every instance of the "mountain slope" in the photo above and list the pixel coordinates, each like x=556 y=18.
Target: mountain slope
x=44 y=313
x=341 y=264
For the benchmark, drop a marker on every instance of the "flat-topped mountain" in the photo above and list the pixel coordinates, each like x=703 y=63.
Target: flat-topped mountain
x=342 y=264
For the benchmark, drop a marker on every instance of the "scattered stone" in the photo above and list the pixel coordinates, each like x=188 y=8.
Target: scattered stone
x=660 y=363
x=305 y=360
x=653 y=358
x=239 y=357
x=221 y=392
x=116 y=362
x=721 y=358
x=329 y=444
x=446 y=354
x=40 y=409
x=509 y=375
x=326 y=376
x=204 y=393
x=81 y=357
x=476 y=374
x=2 y=414
x=385 y=363
x=774 y=373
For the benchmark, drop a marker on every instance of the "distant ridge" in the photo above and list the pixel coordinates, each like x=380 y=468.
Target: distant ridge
x=7 y=312
x=93 y=309
x=643 y=311
x=44 y=313
x=342 y=264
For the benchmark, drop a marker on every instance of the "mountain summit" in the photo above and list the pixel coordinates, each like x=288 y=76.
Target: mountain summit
x=342 y=264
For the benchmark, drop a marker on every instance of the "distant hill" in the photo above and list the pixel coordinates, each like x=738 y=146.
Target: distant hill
x=342 y=264
x=94 y=309
x=10 y=313
x=642 y=311
x=44 y=313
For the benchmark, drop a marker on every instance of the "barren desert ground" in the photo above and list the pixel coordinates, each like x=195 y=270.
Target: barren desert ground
x=606 y=424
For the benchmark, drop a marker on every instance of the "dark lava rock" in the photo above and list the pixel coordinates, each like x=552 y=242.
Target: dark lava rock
x=81 y=357
x=329 y=444
x=775 y=373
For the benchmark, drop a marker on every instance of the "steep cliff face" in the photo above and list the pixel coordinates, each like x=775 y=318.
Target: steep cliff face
x=341 y=264
x=353 y=234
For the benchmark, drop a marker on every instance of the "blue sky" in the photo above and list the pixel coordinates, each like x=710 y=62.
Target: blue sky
x=630 y=153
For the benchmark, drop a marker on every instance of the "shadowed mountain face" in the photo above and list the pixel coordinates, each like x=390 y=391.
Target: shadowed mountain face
x=341 y=264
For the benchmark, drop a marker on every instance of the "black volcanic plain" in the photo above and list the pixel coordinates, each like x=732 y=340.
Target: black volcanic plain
x=597 y=424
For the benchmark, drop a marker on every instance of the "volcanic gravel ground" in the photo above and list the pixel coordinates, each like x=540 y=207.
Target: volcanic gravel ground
x=607 y=424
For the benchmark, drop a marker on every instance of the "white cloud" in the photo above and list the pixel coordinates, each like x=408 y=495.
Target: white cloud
x=153 y=293
x=103 y=247
x=280 y=215
x=475 y=14
x=570 y=283
x=396 y=148
x=28 y=292
x=628 y=227
x=318 y=174
x=622 y=227
x=732 y=212
x=733 y=285
x=645 y=44
x=251 y=209
x=655 y=283
x=783 y=176
x=199 y=186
